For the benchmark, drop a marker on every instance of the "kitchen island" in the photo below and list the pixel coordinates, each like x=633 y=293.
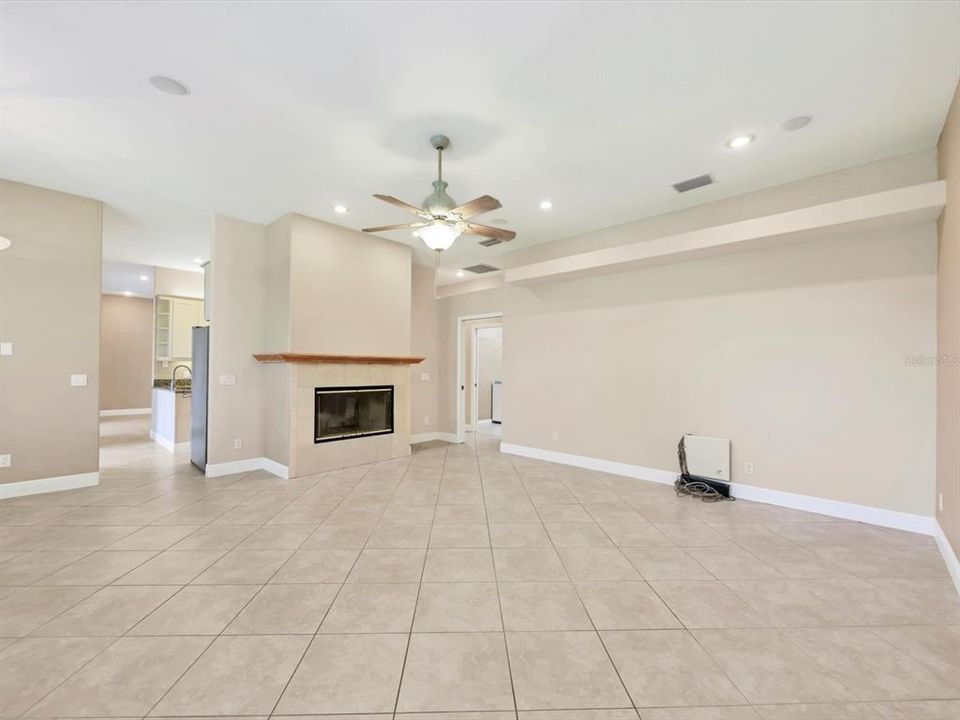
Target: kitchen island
x=170 y=417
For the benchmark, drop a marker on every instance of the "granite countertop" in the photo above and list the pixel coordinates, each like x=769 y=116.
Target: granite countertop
x=183 y=386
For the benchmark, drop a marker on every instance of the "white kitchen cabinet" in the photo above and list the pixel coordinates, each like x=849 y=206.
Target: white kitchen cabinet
x=175 y=318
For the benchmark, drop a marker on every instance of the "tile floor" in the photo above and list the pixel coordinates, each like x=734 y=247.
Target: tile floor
x=461 y=583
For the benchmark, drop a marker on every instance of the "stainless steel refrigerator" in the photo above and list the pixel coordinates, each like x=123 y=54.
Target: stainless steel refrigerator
x=198 y=397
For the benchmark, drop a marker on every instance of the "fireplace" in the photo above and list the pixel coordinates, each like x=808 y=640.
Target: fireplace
x=342 y=413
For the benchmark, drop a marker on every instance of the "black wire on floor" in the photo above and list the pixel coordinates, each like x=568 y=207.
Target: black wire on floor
x=687 y=485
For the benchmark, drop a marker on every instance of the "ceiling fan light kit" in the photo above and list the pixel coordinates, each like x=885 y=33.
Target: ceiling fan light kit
x=442 y=221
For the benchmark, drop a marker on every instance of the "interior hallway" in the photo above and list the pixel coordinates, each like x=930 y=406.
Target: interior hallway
x=457 y=580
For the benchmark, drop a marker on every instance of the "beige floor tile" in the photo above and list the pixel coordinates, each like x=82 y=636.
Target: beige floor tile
x=124 y=680
x=636 y=534
x=563 y=513
x=316 y=566
x=578 y=535
x=98 y=568
x=111 y=611
x=797 y=562
x=381 y=566
x=340 y=537
x=215 y=537
x=346 y=674
x=241 y=675
x=663 y=563
x=512 y=512
x=707 y=604
x=197 y=610
x=244 y=567
x=578 y=714
x=32 y=667
x=870 y=666
x=301 y=515
x=668 y=668
x=277 y=537
x=770 y=669
x=455 y=671
x=530 y=563
x=469 y=715
x=172 y=567
x=393 y=535
x=542 y=606
x=458 y=607
x=563 y=670
x=692 y=534
x=372 y=608
x=284 y=609
x=625 y=606
x=458 y=514
x=596 y=564
x=23 y=610
x=723 y=712
x=789 y=603
x=461 y=535
x=818 y=711
x=32 y=566
x=519 y=535
x=935 y=599
x=937 y=647
x=458 y=565
x=918 y=710
x=727 y=563
x=154 y=537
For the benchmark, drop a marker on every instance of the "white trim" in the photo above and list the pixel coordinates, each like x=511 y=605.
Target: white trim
x=488 y=421
x=126 y=411
x=168 y=444
x=832 y=508
x=582 y=461
x=949 y=556
x=249 y=465
x=50 y=484
x=429 y=436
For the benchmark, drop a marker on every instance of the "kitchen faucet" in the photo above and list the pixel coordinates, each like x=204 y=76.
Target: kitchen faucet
x=174 y=376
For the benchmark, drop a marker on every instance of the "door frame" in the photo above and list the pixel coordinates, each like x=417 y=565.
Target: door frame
x=460 y=387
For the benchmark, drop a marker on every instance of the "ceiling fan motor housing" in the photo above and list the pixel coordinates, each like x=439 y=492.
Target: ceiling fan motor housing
x=438 y=202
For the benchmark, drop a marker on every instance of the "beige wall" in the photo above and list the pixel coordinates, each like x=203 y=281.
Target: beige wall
x=126 y=352
x=424 y=342
x=948 y=333
x=236 y=332
x=178 y=283
x=50 y=311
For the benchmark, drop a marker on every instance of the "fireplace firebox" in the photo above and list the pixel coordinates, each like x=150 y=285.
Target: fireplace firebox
x=342 y=413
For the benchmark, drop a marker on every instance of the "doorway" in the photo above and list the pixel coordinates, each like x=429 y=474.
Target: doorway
x=479 y=374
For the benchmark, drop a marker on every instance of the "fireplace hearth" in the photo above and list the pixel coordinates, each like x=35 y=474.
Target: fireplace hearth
x=345 y=413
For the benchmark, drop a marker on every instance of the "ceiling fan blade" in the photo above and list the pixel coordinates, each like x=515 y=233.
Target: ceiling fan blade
x=486 y=231
x=477 y=206
x=396 y=227
x=404 y=206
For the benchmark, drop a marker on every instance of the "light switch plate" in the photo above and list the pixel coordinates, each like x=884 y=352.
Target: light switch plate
x=78 y=381
x=424 y=376
x=4 y=461
x=6 y=348
x=228 y=379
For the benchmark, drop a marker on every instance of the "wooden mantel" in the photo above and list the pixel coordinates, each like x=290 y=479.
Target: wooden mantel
x=294 y=357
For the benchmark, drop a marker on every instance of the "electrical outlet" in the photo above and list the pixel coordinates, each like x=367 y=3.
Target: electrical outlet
x=238 y=444
x=424 y=376
x=426 y=421
x=5 y=461
x=6 y=348
x=228 y=379
x=939 y=498
x=748 y=468
x=556 y=436
x=78 y=381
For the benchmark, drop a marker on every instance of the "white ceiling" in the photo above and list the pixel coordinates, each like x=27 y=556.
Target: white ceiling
x=597 y=106
x=120 y=278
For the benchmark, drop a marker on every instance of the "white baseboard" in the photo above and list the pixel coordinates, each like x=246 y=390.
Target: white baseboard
x=949 y=556
x=833 y=508
x=168 y=444
x=51 y=484
x=427 y=437
x=248 y=465
x=589 y=463
x=127 y=411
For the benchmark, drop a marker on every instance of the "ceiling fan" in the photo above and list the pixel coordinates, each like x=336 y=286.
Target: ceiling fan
x=442 y=220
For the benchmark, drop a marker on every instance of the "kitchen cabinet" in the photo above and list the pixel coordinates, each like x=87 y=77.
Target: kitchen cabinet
x=175 y=318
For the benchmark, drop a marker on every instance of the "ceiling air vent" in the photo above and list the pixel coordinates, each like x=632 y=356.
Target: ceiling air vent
x=490 y=242
x=693 y=183
x=481 y=268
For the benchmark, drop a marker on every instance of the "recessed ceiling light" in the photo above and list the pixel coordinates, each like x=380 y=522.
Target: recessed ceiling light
x=797 y=123
x=127 y=293
x=4 y=243
x=740 y=141
x=144 y=278
x=545 y=204
x=198 y=261
x=169 y=85
x=341 y=209
x=459 y=273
